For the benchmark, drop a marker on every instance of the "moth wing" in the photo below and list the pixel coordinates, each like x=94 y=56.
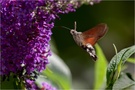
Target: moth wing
x=93 y=35
x=91 y=40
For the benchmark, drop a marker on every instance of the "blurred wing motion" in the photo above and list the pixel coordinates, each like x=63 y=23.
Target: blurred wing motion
x=93 y=35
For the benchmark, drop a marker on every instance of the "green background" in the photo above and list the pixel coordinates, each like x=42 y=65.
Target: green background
x=118 y=15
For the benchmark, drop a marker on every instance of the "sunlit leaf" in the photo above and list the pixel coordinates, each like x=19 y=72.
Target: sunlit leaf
x=114 y=67
x=131 y=60
x=100 y=69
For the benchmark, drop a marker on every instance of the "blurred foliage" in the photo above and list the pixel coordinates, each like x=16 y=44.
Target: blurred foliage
x=60 y=74
x=131 y=60
x=11 y=82
x=118 y=15
x=100 y=65
x=57 y=73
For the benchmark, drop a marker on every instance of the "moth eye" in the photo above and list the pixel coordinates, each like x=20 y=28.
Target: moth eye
x=72 y=31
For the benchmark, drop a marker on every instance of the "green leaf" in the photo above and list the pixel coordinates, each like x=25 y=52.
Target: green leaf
x=58 y=73
x=114 y=67
x=131 y=60
x=12 y=83
x=100 y=69
x=124 y=83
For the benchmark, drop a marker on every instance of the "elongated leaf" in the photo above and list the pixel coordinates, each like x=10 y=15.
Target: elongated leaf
x=124 y=83
x=130 y=51
x=58 y=73
x=100 y=69
x=131 y=60
x=114 y=67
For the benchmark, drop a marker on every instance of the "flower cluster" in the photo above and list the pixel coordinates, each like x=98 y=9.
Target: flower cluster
x=26 y=31
x=47 y=86
x=44 y=86
x=30 y=85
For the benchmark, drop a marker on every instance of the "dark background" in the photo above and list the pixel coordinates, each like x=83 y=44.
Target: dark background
x=118 y=15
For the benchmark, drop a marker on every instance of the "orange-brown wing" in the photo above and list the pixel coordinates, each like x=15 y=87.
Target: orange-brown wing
x=91 y=36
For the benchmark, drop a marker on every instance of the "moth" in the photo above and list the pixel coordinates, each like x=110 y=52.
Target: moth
x=87 y=39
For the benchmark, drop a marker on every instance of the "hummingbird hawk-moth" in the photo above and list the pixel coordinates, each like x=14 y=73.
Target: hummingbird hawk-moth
x=87 y=39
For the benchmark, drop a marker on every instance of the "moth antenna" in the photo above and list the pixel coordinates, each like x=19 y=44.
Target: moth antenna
x=75 y=25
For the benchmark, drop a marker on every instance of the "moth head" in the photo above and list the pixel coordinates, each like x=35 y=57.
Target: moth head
x=73 y=31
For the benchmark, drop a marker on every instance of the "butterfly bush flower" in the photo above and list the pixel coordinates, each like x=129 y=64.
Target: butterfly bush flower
x=44 y=86
x=26 y=31
x=47 y=86
x=30 y=85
